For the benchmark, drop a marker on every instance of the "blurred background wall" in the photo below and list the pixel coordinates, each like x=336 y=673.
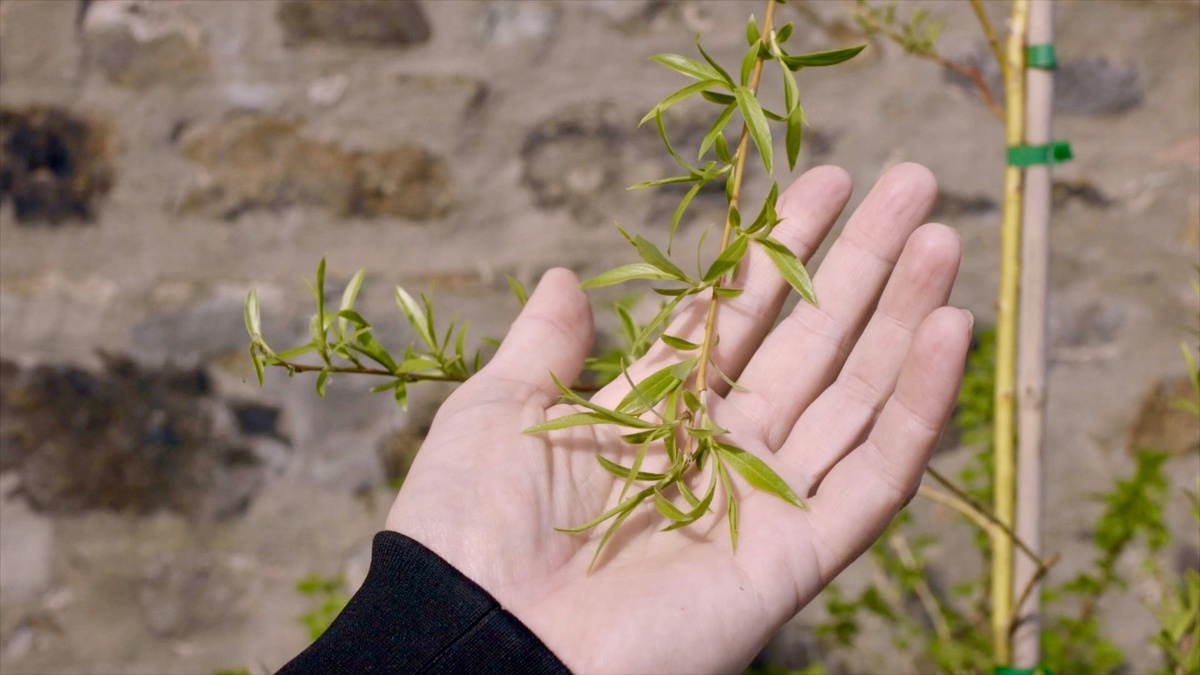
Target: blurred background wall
x=160 y=158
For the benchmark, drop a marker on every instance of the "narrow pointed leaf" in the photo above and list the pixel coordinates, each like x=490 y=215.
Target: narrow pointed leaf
x=794 y=135
x=626 y=273
x=625 y=472
x=757 y=123
x=679 y=343
x=748 y=62
x=753 y=35
x=663 y=314
x=349 y=295
x=767 y=215
x=289 y=354
x=611 y=415
x=719 y=98
x=699 y=507
x=663 y=181
x=666 y=508
x=322 y=381
x=518 y=289
x=757 y=473
x=818 y=59
x=690 y=90
x=716 y=129
x=616 y=524
x=416 y=316
x=790 y=267
x=566 y=422
x=722 y=148
x=716 y=66
x=784 y=32
x=651 y=254
x=259 y=370
x=621 y=507
x=731 y=509
x=636 y=468
x=647 y=393
x=679 y=211
x=728 y=259
x=688 y=66
x=253 y=317
x=662 y=134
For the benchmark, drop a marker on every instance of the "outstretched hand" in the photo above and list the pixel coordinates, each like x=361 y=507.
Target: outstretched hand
x=845 y=402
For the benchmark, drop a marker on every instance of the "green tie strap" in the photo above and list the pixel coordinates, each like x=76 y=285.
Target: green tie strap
x=1029 y=155
x=1041 y=56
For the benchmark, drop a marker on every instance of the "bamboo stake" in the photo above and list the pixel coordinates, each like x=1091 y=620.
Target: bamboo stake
x=1006 y=338
x=1031 y=354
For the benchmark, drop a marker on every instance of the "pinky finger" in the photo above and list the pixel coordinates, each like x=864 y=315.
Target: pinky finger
x=864 y=491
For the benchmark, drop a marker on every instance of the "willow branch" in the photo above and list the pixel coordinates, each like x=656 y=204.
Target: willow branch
x=739 y=173
x=990 y=33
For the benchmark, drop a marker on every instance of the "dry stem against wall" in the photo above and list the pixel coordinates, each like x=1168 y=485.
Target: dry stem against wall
x=1031 y=355
x=1006 y=337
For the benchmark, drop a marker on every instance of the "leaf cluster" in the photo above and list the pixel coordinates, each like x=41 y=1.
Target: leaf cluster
x=917 y=33
x=345 y=342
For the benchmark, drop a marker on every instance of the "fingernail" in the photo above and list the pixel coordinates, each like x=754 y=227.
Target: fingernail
x=970 y=319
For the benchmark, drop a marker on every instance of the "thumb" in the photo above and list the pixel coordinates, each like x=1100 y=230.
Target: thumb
x=553 y=334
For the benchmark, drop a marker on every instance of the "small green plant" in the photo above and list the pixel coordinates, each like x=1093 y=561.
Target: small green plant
x=668 y=409
x=329 y=599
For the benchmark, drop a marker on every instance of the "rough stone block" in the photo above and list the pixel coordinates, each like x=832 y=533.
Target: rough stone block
x=382 y=23
x=54 y=165
x=137 y=43
x=259 y=162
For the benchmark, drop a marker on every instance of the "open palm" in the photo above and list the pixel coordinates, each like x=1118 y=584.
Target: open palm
x=845 y=402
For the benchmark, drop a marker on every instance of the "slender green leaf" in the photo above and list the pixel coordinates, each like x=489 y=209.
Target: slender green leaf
x=722 y=148
x=352 y=316
x=795 y=134
x=621 y=507
x=625 y=273
x=663 y=181
x=759 y=131
x=401 y=394
x=818 y=59
x=690 y=90
x=719 y=98
x=790 y=267
x=728 y=291
x=699 y=506
x=634 y=470
x=625 y=472
x=349 y=295
x=691 y=400
x=253 y=317
x=757 y=473
x=731 y=508
x=663 y=314
x=666 y=508
x=679 y=343
x=611 y=415
x=259 y=370
x=729 y=381
x=716 y=66
x=748 y=62
x=518 y=290
x=715 y=130
x=416 y=317
x=651 y=254
x=616 y=524
x=662 y=134
x=567 y=421
x=752 y=33
x=289 y=354
x=647 y=393
x=690 y=67
x=320 y=292
x=728 y=259
x=766 y=215
x=679 y=210
x=322 y=381
x=784 y=32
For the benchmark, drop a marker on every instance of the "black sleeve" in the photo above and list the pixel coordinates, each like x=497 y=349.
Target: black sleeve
x=416 y=613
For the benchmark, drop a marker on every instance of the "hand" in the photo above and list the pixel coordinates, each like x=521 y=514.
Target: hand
x=845 y=402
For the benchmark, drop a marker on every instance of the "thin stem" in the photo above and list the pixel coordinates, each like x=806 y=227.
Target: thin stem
x=976 y=512
x=407 y=377
x=971 y=72
x=1006 y=339
x=993 y=41
x=924 y=593
x=1015 y=619
x=739 y=173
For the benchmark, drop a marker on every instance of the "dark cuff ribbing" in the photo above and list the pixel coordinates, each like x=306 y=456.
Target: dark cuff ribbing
x=416 y=613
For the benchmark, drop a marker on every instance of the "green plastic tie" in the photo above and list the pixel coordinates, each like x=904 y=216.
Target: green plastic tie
x=1041 y=56
x=1010 y=670
x=1029 y=155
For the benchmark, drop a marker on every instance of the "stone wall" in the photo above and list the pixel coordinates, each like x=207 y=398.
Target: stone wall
x=158 y=159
